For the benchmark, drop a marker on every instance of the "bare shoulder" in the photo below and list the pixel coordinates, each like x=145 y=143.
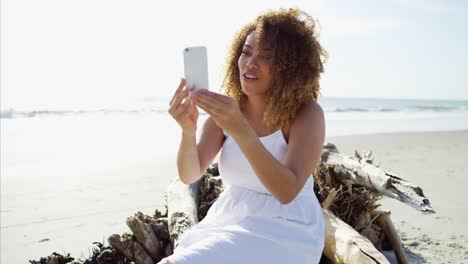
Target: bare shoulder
x=311 y=107
x=310 y=115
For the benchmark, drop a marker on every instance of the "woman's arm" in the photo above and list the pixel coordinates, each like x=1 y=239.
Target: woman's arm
x=188 y=163
x=306 y=137
x=192 y=158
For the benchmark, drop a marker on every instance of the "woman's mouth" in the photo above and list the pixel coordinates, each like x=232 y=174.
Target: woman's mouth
x=249 y=77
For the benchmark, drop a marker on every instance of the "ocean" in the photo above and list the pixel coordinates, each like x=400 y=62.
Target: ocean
x=344 y=116
x=49 y=141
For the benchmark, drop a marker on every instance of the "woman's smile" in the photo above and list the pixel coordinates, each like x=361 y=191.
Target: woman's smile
x=249 y=77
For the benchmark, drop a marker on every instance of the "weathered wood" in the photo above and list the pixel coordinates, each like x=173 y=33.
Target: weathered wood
x=330 y=198
x=53 y=260
x=384 y=221
x=343 y=244
x=145 y=235
x=361 y=171
x=182 y=207
x=130 y=249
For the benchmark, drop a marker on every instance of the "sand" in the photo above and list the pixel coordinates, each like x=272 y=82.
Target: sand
x=437 y=162
x=42 y=215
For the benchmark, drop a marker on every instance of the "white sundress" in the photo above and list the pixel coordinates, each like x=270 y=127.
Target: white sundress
x=246 y=224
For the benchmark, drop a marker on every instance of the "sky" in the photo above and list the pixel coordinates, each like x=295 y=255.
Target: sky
x=72 y=54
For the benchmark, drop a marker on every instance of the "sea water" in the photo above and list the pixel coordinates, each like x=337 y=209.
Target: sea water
x=48 y=140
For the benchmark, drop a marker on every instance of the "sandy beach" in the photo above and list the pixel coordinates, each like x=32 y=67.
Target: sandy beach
x=41 y=215
x=88 y=88
x=437 y=162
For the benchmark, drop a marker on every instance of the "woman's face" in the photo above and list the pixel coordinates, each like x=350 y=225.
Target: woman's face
x=255 y=70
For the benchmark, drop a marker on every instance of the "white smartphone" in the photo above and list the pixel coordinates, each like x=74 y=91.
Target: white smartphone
x=196 y=67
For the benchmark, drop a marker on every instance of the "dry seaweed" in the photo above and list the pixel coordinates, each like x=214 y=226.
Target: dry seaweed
x=353 y=204
x=210 y=187
x=100 y=255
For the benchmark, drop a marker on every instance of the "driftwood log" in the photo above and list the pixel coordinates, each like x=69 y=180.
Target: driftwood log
x=384 y=221
x=145 y=236
x=343 y=244
x=361 y=170
x=347 y=187
x=130 y=249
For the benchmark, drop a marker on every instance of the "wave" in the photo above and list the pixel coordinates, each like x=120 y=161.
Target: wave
x=439 y=108
x=416 y=108
x=11 y=113
x=361 y=109
x=351 y=109
x=162 y=109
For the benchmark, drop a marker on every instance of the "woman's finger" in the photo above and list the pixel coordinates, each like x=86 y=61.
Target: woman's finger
x=210 y=109
x=179 y=97
x=206 y=99
x=223 y=98
x=182 y=108
x=181 y=86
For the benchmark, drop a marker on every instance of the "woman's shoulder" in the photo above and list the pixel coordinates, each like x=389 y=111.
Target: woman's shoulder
x=309 y=115
x=309 y=109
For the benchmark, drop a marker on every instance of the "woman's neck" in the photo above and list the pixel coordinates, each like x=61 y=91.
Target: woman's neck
x=255 y=107
x=254 y=110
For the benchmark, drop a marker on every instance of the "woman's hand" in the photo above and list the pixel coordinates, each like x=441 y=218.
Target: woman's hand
x=185 y=113
x=224 y=110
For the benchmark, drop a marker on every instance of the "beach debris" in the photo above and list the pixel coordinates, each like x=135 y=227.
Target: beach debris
x=210 y=187
x=348 y=189
x=384 y=221
x=145 y=235
x=54 y=258
x=350 y=202
x=182 y=206
x=128 y=247
x=108 y=256
x=361 y=170
x=343 y=244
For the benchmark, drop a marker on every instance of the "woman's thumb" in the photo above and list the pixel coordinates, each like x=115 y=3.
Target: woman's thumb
x=194 y=107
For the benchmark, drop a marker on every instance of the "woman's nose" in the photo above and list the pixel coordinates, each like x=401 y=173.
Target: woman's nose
x=251 y=61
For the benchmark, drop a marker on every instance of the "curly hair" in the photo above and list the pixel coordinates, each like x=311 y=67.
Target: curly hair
x=297 y=62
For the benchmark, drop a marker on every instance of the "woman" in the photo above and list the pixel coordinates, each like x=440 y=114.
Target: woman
x=270 y=131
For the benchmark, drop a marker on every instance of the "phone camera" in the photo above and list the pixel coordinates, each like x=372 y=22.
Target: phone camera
x=186 y=49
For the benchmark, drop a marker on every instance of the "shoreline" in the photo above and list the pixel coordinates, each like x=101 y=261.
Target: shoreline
x=396 y=133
